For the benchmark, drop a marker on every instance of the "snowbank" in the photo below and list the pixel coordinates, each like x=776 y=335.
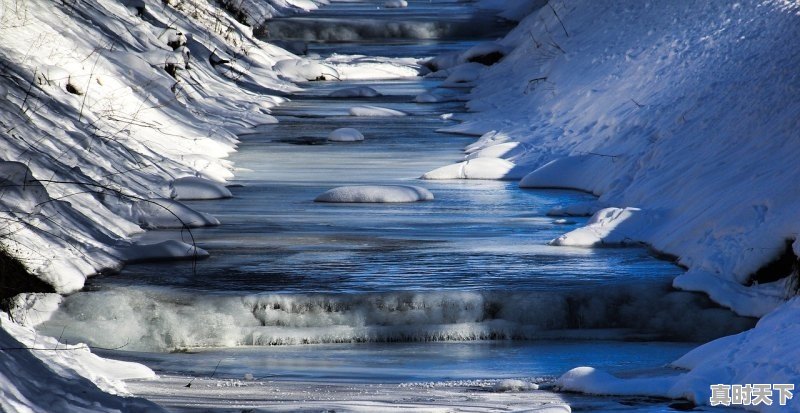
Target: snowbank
x=376 y=193
x=345 y=135
x=478 y=168
x=629 y=114
x=375 y=111
x=103 y=104
x=686 y=111
x=64 y=378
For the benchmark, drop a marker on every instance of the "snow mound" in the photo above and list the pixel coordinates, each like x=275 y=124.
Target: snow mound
x=463 y=73
x=299 y=70
x=479 y=168
x=345 y=135
x=193 y=187
x=592 y=381
x=487 y=53
x=374 y=111
x=514 y=385
x=69 y=379
x=395 y=4
x=162 y=213
x=569 y=173
x=356 y=91
x=609 y=226
x=160 y=251
x=376 y=193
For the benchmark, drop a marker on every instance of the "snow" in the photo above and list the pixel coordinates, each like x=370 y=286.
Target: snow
x=194 y=187
x=465 y=73
x=299 y=70
x=479 y=168
x=514 y=385
x=376 y=193
x=164 y=250
x=345 y=135
x=374 y=111
x=355 y=91
x=567 y=173
x=263 y=394
x=682 y=118
x=507 y=150
x=165 y=213
x=609 y=226
x=62 y=377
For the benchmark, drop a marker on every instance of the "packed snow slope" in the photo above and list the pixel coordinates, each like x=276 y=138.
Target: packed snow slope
x=111 y=111
x=686 y=112
x=103 y=105
x=684 y=118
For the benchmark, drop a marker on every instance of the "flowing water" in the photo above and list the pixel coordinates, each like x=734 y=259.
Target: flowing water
x=460 y=288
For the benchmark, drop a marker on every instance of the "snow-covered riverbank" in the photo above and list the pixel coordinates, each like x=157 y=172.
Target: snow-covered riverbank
x=683 y=118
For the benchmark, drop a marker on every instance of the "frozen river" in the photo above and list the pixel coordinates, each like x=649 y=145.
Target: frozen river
x=461 y=290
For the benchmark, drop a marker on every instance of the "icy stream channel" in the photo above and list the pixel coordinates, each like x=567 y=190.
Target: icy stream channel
x=457 y=293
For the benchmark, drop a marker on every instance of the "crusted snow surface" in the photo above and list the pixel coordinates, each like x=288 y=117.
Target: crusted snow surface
x=683 y=116
x=376 y=193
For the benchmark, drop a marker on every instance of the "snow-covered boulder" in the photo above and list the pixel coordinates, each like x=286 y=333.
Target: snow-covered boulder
x=193 y=187
x=376 y=193
x=374 y=111
x=355 y=91
x=301 y=69
x=609 y=226
x=395 y=4
x=345 y=135
x=167 y=213
x=479 y=168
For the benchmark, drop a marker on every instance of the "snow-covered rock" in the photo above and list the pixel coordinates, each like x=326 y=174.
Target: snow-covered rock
x=479 y=168
x=374 y=111
x=395 y=4
x=345 y=135
x=194 y=187
x=376 y=193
